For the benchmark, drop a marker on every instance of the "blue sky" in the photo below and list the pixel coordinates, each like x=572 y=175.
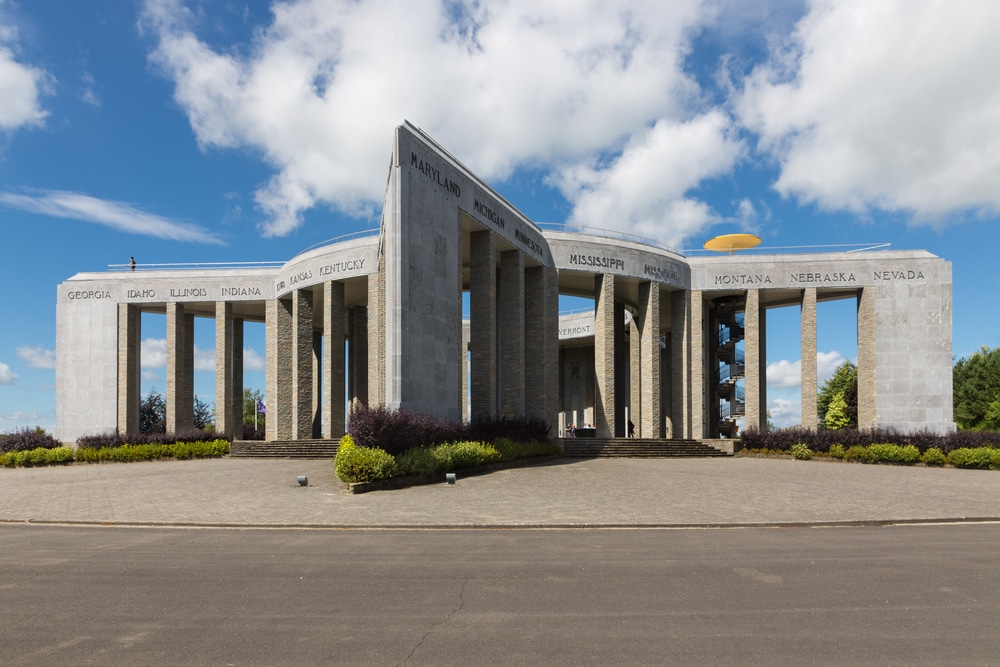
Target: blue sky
x=208 y=131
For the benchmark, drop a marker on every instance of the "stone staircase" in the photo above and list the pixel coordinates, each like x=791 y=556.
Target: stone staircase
x=637 y=447
x=284 y=449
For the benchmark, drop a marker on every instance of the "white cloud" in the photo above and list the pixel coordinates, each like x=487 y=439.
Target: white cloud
x=784 y=373
x=643 y=190
x=21 y=85
x=886 y=106
x=531 y=83
x=252 y=361
x=154 y=355
x=785 y=412
x=826 y=364
x=7 y=376
x=117 y=215
x=37 y=357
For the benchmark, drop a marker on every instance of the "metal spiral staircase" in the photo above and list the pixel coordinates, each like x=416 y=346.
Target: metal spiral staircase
x=732 y=367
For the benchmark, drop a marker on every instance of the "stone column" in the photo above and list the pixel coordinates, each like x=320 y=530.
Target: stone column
x=541 y=287
x=302 y=365
x=604 y=355
x=333 y=360
x=225 y=416
x=752 y=348
x=357 y=372
x=180 y=369
x=483 y=323
x=279 y=356
x=649 y=360
x=376 y=338
x=317 y=383
x=237 y=394
x=129 y=342
x=680 y=365
x=635 y=377
x=511 y=337
x=697 y=365
x=809 y=372
x=867 y=379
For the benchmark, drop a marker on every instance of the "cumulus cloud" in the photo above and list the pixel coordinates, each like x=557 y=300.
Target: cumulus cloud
x=7 y=376
x=252 y=361
x=886 y=106
x=523 y=83
x=783 y=373
x=21 y=85
x=827 y=363
x=785 y=412
x=643 y=191
x=117 y=215
x=154 y=355
x=37 y=357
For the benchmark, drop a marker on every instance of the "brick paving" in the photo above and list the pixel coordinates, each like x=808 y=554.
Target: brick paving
x=563 y=492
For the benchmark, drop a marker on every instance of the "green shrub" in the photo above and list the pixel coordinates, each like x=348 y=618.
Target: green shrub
x=837 y=451
x=857 y=453
x=361 y=464
x=977 y=457
x=934 y=457
x=7 y=459
x=801 y=452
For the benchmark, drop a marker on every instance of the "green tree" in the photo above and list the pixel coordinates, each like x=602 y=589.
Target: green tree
x=836 y=413
x=250 y=398
x=153 y=412
x=844 y=381
x=204 y=419
x=976 y=385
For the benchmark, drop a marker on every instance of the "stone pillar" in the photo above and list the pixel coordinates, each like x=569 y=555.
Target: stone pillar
x=376 y=338
x=511 y=337
x=541 y=287
x=357 y=372
x=680 y=365
x=237 y=394
x=129 y=341
x=635 y=377
x=333 y=360
x=302 y=365
x=649 y=361
x=604 y=355
x=867 y=379
x=317 y=383
x=809 y=373
x=752 y=348
x=225 y=416
x=180 y=369
x=279 y=355
x=483 y=323
x=697 y=365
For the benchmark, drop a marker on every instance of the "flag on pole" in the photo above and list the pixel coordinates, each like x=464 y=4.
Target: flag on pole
x=260 y=407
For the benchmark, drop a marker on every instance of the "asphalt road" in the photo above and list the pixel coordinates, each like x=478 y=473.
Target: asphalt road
x=894 y=595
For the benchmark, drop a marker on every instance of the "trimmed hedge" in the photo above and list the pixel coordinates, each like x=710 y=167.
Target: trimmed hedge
x=180 y=450
x=978 y=457
x=26 y=439
x=113 y=440
x=821 y=440
x=397 y=431
x=354 y=463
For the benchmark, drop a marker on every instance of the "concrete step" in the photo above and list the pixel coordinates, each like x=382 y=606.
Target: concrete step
x=641 y=448
x=284 y=449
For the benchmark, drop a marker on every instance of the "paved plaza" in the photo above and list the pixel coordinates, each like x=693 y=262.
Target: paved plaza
x=556 y=493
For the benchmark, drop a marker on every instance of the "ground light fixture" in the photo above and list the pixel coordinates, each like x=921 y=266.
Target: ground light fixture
x=450 y=476
x=303 y=480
